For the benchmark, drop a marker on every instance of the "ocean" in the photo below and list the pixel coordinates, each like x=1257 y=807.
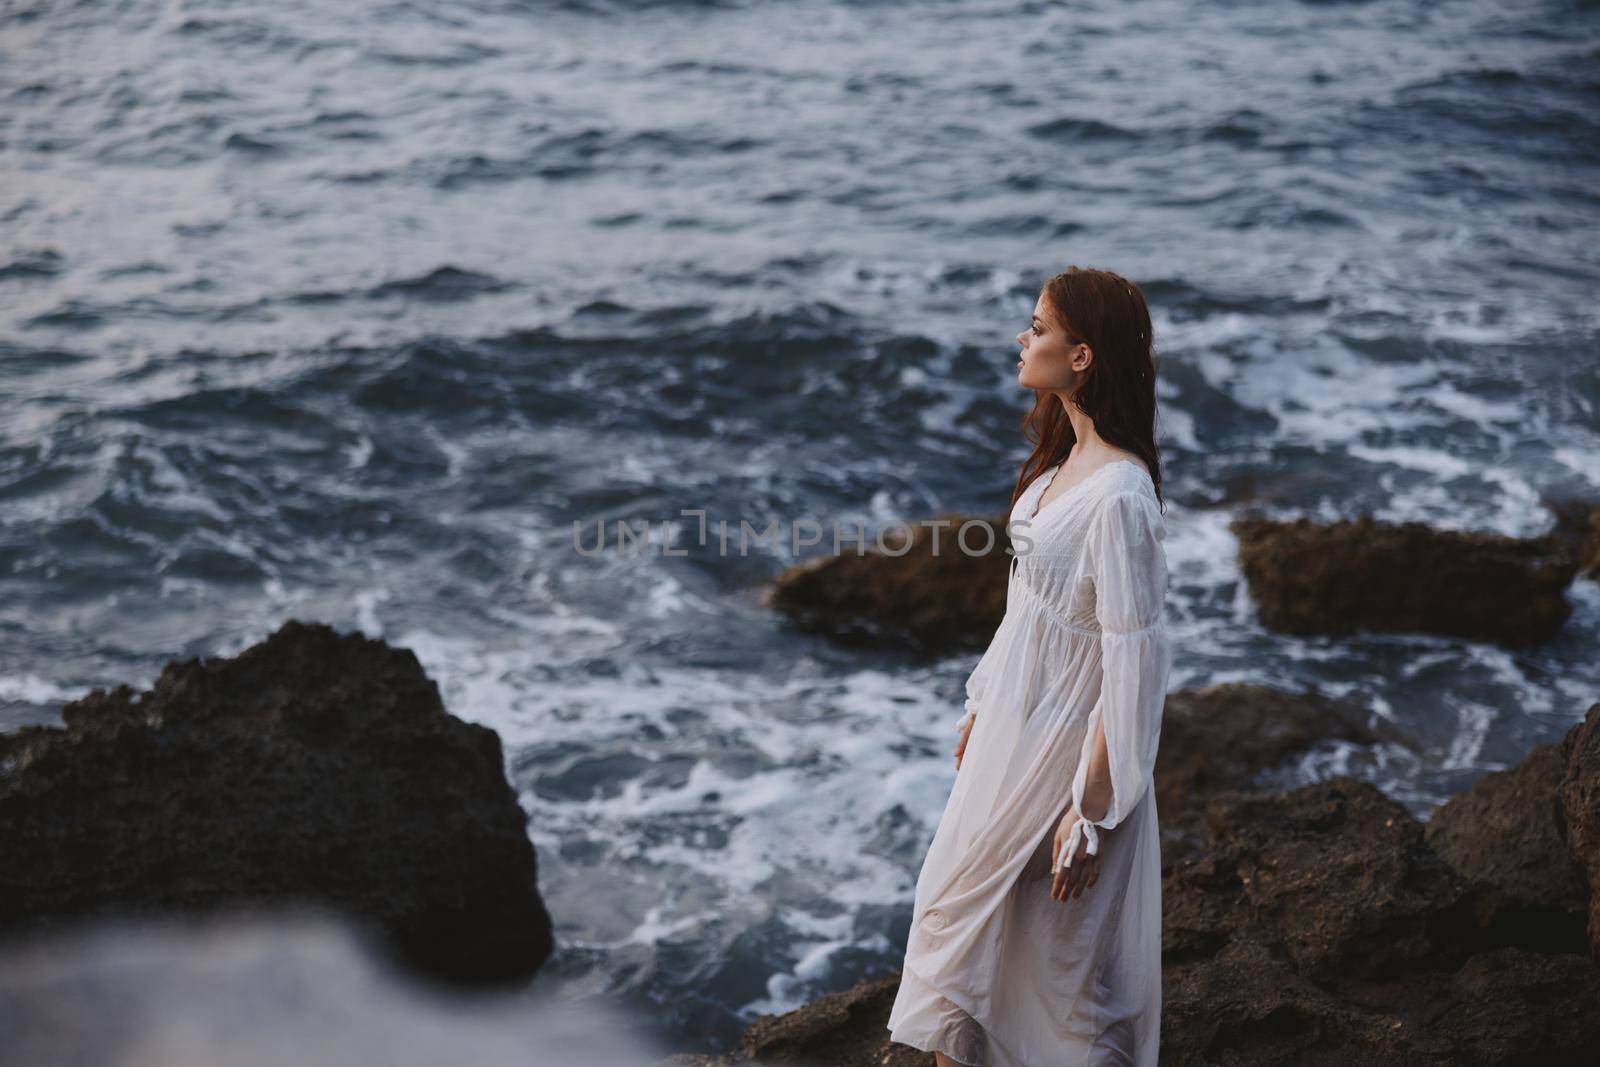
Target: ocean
x=350 y=313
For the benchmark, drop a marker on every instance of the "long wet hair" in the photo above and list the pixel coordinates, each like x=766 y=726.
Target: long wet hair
x=1108 y=313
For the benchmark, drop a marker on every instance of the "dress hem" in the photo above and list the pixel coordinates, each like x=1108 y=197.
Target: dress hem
x=988 y=1034
x=931 y=1048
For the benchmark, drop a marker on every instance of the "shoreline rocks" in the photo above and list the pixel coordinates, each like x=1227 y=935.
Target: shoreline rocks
x=1229 y=736
x=1353 y=575
x=1306 y=578
x=919 y=599
x=1322 y=926
x=1579 y=825
x=315 y=769
x=1530 y=890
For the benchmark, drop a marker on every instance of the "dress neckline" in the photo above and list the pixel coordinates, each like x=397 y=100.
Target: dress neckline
x=1037 y=510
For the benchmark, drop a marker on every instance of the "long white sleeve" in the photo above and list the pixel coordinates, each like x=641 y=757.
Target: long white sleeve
x=977 y=686
x=1128 y=565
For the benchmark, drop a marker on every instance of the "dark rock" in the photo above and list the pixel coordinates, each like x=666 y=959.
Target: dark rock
x=926 y=601
x=314 y=768
x=1319 y=927
x=1243 y=1005
x=1509 y=1006
x=1225 y=737
x=1361 y=574
x=1505 y=834
x=1579 y=522
x=1322 y=928
x=1579 y=795
x=1334 y=878
x=1512 y=1006
x=845 y=1029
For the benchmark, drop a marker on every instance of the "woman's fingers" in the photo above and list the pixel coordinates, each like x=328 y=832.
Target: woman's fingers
x=1070 y=882
x=1074 y=879
x=1063 y=873
x=1091 y=871
x=1061 y=887
x=963 y=730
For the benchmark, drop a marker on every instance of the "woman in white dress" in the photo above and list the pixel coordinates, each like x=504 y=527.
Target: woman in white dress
x=1035 y=935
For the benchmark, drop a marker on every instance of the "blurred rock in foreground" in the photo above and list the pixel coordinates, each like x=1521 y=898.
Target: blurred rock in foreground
x=314 y=768
x=270 y=990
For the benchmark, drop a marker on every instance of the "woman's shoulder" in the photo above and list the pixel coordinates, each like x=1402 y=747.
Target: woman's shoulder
x=1128 y=474
x=1128 y=498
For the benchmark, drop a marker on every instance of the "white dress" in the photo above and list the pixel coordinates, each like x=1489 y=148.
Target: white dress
x=996 y=972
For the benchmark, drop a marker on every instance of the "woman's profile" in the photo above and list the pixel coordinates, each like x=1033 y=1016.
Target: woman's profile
x=1036 y=930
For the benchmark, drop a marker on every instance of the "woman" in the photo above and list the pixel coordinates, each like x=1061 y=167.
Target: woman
x=1036 y=932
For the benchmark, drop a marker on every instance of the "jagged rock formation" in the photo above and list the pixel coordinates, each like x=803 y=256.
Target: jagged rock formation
x=1341 y=577
x=922 y=600
x=313 y=769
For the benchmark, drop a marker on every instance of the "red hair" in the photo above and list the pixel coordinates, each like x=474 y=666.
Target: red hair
x=1108 y=313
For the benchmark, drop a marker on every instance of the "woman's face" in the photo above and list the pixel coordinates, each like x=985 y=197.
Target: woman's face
x=1048 y=359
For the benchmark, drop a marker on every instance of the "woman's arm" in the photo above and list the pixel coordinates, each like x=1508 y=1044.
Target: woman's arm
x=1129 y=570
x=1097 y=782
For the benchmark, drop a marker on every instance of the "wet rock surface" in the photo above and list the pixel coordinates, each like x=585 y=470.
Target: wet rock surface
x=315 y=768
x=1342 y=577
x=1579 y=798
x=1322 y=926
x=1227 y=737
x=927 y=600
x=1499 y=834
x=1306 y=577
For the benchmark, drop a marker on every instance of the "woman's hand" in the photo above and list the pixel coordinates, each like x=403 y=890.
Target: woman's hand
x=963 y=729
x=1085 y=870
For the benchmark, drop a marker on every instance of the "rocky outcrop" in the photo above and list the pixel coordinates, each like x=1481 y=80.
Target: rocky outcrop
x=937 y=601
x=1579 y=797
x=1337 y=578
x=845 y=1029
x=1579 y=522
x=1505 y=833
x=313 y=769
x=1321 y=926
x=1229 y=736
x=1306 y=577
x=1334 y=879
